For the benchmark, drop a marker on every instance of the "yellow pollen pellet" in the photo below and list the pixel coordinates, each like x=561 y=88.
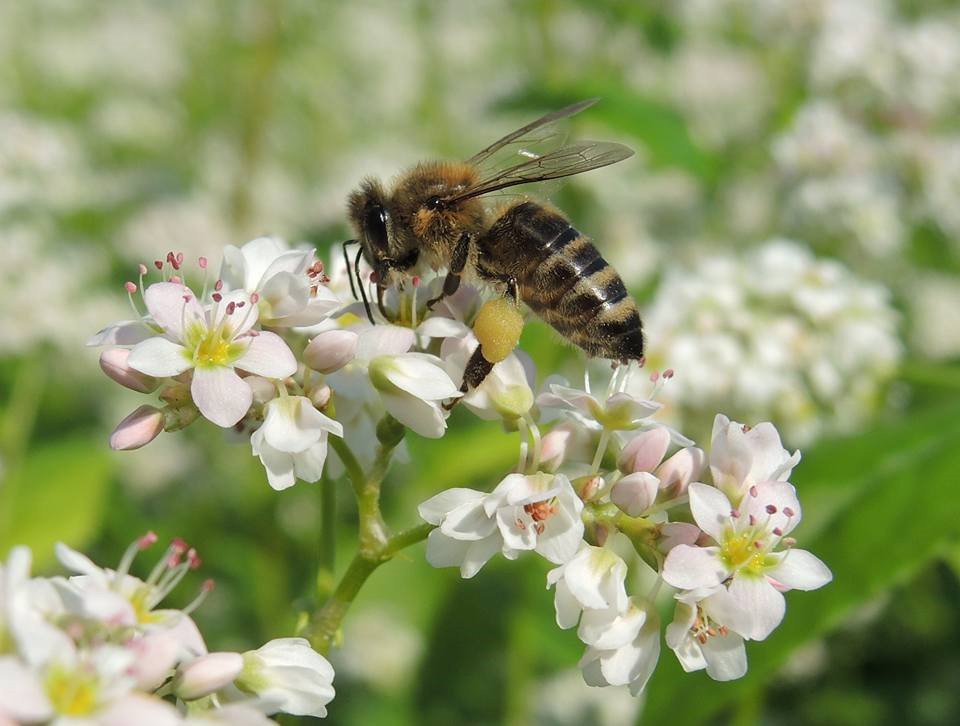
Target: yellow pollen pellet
x=498 y=327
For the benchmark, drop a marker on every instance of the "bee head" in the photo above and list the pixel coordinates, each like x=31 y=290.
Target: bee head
x=369 y=213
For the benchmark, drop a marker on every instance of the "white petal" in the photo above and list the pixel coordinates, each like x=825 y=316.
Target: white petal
x=78 y=562
x=801 y=570
x=438 y=327
x=596 y=577
x=140 y=709
x=689 y=567
x=221 y=395
x=608 y=630
x=436 y=507
x=22 y=695
x=283 y=294
x=123 y=333
x=782 y=498
x=478 y=554
x=634 y=663
x=426 y=419
x=444 y=551
x=566 y=606
x=710 y=508
x=468 y=521
x=292 y=262
x=561 y=537
x=308 y=465
x=268 y=355
x=384 y=340
x=419 y=375
x=293 y=424
x=279 y=464
x=760 y=602
x=159 y=357
x=174 y=307
x=517 y=531
x=726 y=657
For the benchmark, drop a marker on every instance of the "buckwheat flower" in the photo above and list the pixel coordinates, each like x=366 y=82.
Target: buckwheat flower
x=292 y=441
x=413 y=387
x=700 y=638
x=506 y=393
x=22 y=696
x=288 y=675
x=747 y=553
x=617 y=412
x=116 y=599
x=214 y=344
x=289 y=283
x=538 y=512
x=626 y=651
x=466 y=536
x=742 y=456
x=232 y=714
x=593 y=579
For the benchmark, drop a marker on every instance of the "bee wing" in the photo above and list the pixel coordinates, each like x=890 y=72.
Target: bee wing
x=565 y=161
x=520 y=135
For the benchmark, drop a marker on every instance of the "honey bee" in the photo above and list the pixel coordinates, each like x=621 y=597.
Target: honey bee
x=435 y=216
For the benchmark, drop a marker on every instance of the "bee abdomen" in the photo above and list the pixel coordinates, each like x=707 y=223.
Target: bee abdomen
x=571 y=286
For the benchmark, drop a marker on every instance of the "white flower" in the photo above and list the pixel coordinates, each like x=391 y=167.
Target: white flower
x=742 y=456
x=626 y=648
x=701 y=639
x=618 y=412
x=593 y=580
x=413 y=387
x=538 y=512
x=747 y=554
x=506 y=392
x=213 y=344
x=287 y=675
x=292 y=442
x=289 y=282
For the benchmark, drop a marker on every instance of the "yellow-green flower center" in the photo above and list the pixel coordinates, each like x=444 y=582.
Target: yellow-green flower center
x=72 y=692
x=739 y=551
x=212 y=347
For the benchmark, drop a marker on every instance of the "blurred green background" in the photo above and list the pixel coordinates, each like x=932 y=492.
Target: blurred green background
x=130 y=128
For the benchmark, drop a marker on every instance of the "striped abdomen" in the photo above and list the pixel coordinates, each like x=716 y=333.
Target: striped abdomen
x=563 y=279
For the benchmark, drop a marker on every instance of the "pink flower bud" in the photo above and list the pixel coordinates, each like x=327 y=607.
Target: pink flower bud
x=635 y=493
x=644 y=451
x=207 y=674
x=113 y=362
x=553 y=448
x=679 y=470
x=677 y=533
x=138 y=429
x=320 y=397
x=263 y=390
x=331 y=350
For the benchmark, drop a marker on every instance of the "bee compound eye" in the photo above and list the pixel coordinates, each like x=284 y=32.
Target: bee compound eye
x=435 y=204
x=375 y=227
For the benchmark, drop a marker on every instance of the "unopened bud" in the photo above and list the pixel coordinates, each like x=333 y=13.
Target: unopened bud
x=676 y=473
x=263 y=389
x=553 y=448
x=177 y=418
x=586 y=487
x=207 y=674
x=635 y=493
x=113 y=362
x=320 y=397
x=645 y=451
x=138 y=429
x=331 y=350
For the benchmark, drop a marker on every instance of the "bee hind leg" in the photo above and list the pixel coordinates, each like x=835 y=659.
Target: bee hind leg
x=478 y=368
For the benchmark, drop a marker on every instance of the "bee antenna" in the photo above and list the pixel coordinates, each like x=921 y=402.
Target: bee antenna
x=363 y=292
x=346 y=259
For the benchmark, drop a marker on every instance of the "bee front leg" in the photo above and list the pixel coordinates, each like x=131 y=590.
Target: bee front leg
x=457 y=262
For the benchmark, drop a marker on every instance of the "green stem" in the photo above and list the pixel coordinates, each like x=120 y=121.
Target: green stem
x=328 y=538
x=326 y=622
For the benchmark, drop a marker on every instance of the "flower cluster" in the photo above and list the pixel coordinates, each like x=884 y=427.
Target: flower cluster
x=777 y=331
x=608 y=488
x=97 y=648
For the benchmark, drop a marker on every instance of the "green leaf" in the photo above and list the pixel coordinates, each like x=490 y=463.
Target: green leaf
x=57 y=494
x=902 y=514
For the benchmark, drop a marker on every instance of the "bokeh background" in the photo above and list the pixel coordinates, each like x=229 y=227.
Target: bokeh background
x=790 y=226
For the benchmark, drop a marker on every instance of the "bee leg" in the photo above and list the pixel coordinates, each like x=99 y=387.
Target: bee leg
x=478 y=368
x=457 y=262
